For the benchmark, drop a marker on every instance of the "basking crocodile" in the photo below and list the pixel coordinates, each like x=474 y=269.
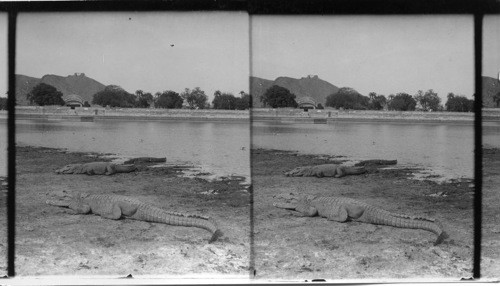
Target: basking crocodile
x=325 y=170
x=145 y=160
x=376 y=162
x=342 y=209
x=96 y=168
x=116 y=207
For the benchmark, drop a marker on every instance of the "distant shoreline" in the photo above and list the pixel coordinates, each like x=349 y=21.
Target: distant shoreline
x=285 y=115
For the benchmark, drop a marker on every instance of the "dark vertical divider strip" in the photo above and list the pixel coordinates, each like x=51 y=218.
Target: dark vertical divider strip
x=478 y=154
x=252 y=244
x=11 y=173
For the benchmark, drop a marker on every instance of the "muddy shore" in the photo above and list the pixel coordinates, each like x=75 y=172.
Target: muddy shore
x=52 y=241
x=288 y=247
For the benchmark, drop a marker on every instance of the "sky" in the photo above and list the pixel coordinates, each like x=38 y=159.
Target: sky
x=382 y=54
x=150 y=51
x=491 y=45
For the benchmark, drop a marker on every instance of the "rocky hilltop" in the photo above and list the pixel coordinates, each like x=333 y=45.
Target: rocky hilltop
x=78 y=84
x=491 y=86
x=311 y=86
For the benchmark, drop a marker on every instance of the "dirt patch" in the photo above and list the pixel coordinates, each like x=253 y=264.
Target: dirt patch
x=304 y=248
x=52 y=241
x=490 y=248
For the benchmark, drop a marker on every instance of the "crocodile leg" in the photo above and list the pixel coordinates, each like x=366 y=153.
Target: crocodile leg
x=116 y=212
x=339 y=172
x=339 y=215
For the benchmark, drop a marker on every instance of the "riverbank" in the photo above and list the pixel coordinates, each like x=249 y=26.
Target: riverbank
x=51 y=241
x=304 y=248
x=285 y=115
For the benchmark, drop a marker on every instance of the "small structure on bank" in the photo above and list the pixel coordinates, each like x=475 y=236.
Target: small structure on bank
x=73 y=100
x=306 y=103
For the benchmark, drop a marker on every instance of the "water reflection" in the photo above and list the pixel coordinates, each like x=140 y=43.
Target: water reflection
x=214 y=146
x=446 y=149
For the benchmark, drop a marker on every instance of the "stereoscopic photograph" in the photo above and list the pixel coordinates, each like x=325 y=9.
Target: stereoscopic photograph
x=133 y=141
x=260 y=148
x=363 y=147
x=490 y=256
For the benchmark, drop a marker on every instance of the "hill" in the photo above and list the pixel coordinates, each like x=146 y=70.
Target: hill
x=78 y=84
x=491 y=86
x=311 y=86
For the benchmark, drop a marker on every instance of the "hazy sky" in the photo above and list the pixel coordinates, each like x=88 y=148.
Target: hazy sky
x=384 y=54
x=491 y=45
x=133 y=50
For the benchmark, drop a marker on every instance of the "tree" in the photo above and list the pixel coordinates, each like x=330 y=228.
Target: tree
x=377 y=102
x=143 y=100
x=428 y=100
x=347 y=98
x=496 y=99
x=223 y=101
x=86 y=104
x=168 y=99
x=458 y=103
x=402 y=102
x=320 y=106
x=244 y=101
x=114 y=96
x=45 y=94
x=3 y=103
x=195 y=98
x=277 y=96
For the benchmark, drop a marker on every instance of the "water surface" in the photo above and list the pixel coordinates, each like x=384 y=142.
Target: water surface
x=446 y=149
x=218 y=148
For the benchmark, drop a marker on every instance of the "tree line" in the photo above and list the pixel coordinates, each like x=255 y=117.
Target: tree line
x=115 y=96
x=348 y=98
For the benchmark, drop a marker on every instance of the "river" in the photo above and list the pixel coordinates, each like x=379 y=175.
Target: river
x=444 y=149
x=220 y=148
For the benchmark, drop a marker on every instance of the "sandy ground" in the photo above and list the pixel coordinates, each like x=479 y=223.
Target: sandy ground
x=301 y=248
x=490 y=263
x=52 y=241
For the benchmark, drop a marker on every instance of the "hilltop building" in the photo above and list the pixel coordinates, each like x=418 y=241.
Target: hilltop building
x=73 y=100
x=306 y=102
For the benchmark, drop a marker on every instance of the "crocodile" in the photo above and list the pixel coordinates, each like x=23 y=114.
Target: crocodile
x=96 y=168
x=145 y=160
x=376 y=162
x=342 y=209
x=116 y=207
x=325 y=170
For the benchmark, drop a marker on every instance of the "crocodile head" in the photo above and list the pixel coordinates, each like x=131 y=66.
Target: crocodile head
x=83 y=195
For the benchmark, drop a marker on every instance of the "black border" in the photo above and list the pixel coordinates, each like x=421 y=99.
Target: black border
x=11 y=147
x=478 y=139
x=475 y=8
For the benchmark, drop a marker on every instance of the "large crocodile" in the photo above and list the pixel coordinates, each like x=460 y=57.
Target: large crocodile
x=325 y=170
x=96 y=168
x=145 y=160
x=343 y=209
x=116 y=207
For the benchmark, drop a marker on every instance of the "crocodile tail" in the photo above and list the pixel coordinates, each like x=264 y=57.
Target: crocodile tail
x=377 y=216
x=154 y=214
x=125 y=168
x=354 y=170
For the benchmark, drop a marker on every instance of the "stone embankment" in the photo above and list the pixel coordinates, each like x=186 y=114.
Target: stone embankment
x=100 y=113
x=282 y=115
